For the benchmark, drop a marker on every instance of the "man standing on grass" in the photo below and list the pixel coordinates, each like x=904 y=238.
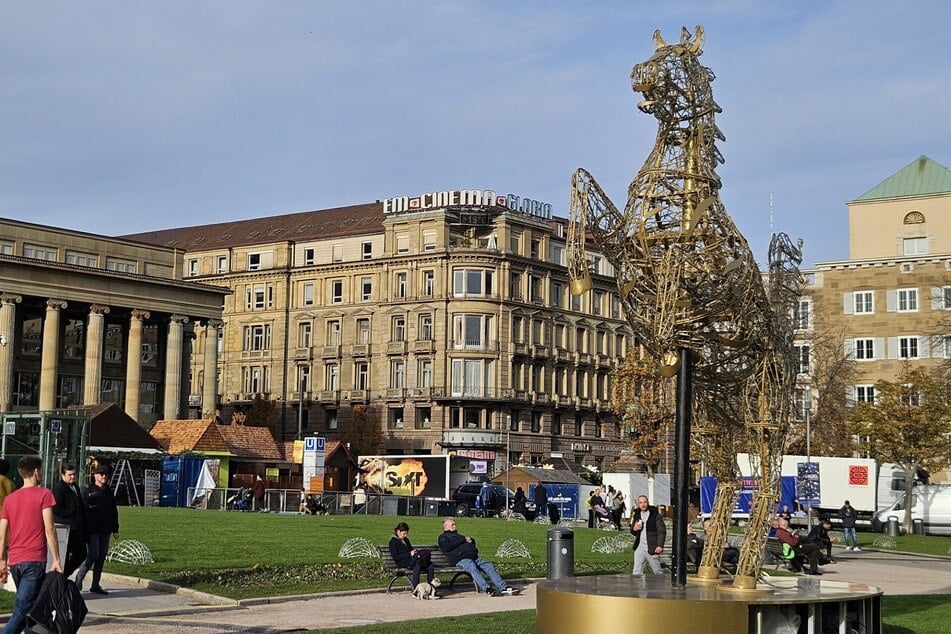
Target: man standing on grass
x=461 y=551
x=26 y=532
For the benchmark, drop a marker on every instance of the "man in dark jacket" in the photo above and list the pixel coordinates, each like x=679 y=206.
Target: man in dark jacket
x=650 y=533
x=809 y=552
x=102 y=519
x=71 y=511
x=847 y=515
x=461 y=551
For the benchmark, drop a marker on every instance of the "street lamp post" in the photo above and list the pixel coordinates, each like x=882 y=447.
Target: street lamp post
x=300 y=402
x=808 y=459
x=508 y=462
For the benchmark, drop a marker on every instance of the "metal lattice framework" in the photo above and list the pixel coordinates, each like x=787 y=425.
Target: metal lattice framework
x=688 y=280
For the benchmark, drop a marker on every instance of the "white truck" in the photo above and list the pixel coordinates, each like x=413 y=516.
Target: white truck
x=867 y=485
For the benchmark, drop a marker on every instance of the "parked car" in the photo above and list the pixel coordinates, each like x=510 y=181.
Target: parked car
x=930 y=503
x=465 y=498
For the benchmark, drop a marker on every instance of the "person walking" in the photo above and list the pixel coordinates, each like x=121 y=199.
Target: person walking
x=26 y=532
x=102 y=521
x=257 y=490
x=847 y=515
x=71 y=511
x=650 y=533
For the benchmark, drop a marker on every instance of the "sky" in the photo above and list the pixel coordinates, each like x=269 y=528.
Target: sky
x=122 y=117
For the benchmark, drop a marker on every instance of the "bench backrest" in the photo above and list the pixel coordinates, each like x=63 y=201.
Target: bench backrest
x=435 y=555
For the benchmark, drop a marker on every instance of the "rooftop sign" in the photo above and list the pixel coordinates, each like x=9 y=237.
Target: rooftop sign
x=469 y=198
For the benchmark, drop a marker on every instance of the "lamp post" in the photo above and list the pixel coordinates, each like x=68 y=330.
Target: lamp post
x=508 y=462
x=300 y=402
x=808 y=457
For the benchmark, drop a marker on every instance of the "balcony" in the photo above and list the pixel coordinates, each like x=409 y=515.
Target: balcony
x=561 y=354
x=582 y=358
x=396 y=347
x=360 y=349
x=255 y=354
x=330 y=352
x=424 y=345
x=520 y=395
x=420 y=392
x=475 y=345
x=582 y=402
x=395 y=394
x=297 y=396
x=540 y=350
x=539 y=398
x=473 y=437
x=519 y=347
x=471 y=393
x=562 y=401
x=358 y=396
x=301 y=354
x=328 y=396
x=603 y=360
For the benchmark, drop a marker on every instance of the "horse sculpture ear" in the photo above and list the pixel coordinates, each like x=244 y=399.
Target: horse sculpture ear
x=697 y=44
x=658 y=40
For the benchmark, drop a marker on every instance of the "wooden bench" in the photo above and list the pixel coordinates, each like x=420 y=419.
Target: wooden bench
x=774 y=548
x=436 y=556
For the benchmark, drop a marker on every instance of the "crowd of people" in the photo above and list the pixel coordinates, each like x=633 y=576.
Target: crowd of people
x=27 y=530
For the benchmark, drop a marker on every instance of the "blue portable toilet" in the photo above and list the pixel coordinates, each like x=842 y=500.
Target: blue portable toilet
x=178 y=474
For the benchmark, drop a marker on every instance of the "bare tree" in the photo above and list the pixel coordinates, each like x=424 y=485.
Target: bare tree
x=908 y=424
x=363 y=433
x=644 y=402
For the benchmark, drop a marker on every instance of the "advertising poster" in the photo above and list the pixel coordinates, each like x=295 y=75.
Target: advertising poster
x=424 y=476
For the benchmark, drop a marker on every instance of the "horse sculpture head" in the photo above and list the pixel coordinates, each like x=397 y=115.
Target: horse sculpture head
x=675 y=85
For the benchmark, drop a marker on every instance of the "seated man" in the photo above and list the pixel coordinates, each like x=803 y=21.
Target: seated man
x=731 y=555
x=694 y=547
x=819 y=535
x=803 y=548
x=461 y=551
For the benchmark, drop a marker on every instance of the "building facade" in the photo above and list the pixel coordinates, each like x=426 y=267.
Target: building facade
x=87 y=319
x=891 y=299
x=447 y=315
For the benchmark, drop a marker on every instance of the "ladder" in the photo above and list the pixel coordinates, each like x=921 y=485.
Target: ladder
x=122 y=476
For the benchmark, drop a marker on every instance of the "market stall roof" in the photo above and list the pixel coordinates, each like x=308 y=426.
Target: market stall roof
x=109 y=426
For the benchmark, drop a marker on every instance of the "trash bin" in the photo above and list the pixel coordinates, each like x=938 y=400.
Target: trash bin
x=894 y=530
x=917 y=527
x=561 y=552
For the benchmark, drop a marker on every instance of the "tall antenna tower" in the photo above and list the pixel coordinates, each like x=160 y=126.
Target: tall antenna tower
x=771 y=232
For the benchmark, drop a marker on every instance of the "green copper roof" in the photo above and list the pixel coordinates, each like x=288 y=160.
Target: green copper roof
x=919 y=178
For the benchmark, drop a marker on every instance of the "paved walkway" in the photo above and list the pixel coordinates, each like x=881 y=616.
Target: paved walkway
x=155 y=608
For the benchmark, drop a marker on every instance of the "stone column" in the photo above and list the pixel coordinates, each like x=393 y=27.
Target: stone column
x=8 y=322
x=173 y=368
x=209 y=392
x=133 y=368
x=49 y=368
x=92 y=377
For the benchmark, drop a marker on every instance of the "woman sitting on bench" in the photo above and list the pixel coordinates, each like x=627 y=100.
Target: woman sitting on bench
x=412 y=559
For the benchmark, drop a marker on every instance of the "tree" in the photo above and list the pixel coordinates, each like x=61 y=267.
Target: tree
x=363 y=434
x=260 y=415
x=645 y=403
x=908 y=424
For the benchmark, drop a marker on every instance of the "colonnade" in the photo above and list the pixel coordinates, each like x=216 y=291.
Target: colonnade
x=92 y=378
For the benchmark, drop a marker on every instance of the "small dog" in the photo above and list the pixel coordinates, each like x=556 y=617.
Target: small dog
x=425 y=590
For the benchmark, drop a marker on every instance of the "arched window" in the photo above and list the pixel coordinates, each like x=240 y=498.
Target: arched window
x=914 y=218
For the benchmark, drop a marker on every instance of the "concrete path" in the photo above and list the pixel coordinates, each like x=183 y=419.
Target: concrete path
x=155 y=608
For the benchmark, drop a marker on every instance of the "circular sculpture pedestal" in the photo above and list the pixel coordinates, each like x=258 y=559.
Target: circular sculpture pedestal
x=579 y=604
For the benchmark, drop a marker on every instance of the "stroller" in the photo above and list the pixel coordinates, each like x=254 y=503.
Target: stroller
x=602 y=517
x=240 y=501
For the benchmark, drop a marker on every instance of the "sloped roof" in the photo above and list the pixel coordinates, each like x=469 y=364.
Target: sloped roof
x=921 y=177
x=547 y=476
x=300 y=226
x=251 y=442
x=181 y=436
x=109 y=426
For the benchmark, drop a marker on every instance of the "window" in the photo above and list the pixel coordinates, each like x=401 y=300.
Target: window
x=581 y=340
x=6 y=248
x=471 y=377
x=337 y=252
x=425 y=373
x=397 y=374
x=38 y=252
x=366 y=250
x=538 y=332
x=395 y=416
x=256 y=380
x=471 y=331
x=366 y=289
x=363 y=330
x=424 y=417
x=429 y=241
x=916 y=246
x=87 y=259
x=303 y=378
x=615 y=306
x=361 y=375
x=336 y=291
x=333 y=332
x=535 y=288
x=515 y=285
x=331 y=419
x=576 y=302
x=308 y=291
x=259 y=297
x=910 y=397
x=802 y=315
x=559 y=337
x=304 y=332
x=121 y=266
x=257 y=337
x=579 y=425
x=597 y=302
x=332 y=377
x=398 y=332
x=472 y=282
x=802 y=403
x=864 y=349
x=402 y=244
x=429 y=283
x=426 y=327
x=536 y=422
x=863 y=302
x=556 y=424
x=864 y=393
x=192 y=266
x=601 y=345
x=907 y=300
x=309 y=256
x=802 y=358
x=401 y=284
x=517 y=335
x=513 y=420
x=557 y=294
x=556 y=254
x=221 y=264
x=515 y=243
x=908 y=347
x=254 y=261
x=533 y=249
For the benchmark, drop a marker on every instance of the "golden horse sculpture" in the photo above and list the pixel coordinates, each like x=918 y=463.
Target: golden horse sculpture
x=688 y=280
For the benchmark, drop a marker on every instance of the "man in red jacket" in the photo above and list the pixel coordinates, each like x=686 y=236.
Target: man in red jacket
x=804 y=549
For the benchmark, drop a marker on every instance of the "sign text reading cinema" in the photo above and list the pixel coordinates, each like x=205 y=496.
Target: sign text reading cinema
x=467 y=197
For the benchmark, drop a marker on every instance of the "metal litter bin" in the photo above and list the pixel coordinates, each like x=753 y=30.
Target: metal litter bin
x=917 y=527
x=561 y=552
x=894 y=530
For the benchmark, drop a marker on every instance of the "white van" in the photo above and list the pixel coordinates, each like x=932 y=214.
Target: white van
x=930 y=503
